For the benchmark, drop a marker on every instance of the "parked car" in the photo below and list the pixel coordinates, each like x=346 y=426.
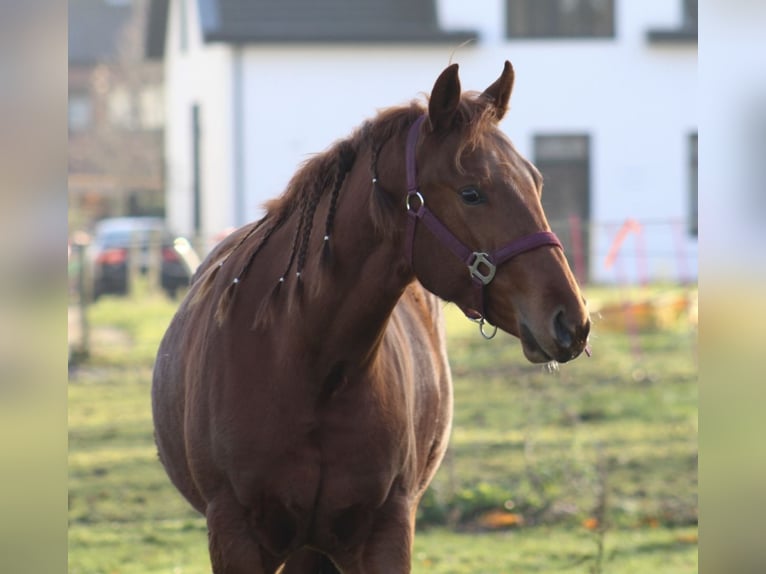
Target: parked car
x=116 y=240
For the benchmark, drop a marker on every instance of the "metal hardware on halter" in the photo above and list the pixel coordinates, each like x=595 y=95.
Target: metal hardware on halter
x=481 y=266
x=481 y=321
x=483 y=334
x=480 y=259
x=420 y=198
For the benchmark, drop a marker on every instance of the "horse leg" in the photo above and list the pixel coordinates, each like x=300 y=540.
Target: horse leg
x=307 y=561
x=389 y=547
x=233 y=549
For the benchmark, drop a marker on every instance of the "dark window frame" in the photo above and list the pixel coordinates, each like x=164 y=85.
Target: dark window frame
x=691 y=14
x=571 y=152
x=546 y=20
x=685 y=33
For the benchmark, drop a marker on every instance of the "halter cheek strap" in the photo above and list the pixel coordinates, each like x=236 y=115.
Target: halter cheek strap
x=482 y=265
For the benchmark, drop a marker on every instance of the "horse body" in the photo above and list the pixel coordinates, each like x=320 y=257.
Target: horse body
x=305 y=412
x=294 y=447
x=299 y=434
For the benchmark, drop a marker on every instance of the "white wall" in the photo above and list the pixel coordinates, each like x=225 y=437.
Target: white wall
x=635 y=99
x=202 y=74
x=733 y=151
x=301 y=99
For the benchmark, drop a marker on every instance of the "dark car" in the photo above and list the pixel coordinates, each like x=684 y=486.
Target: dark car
x=116 y=240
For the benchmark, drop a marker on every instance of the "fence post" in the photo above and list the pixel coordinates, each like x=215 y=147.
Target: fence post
x=613 y=258
x=678 y=231
x=84 y=294
x=578 y=255
x=154 y=261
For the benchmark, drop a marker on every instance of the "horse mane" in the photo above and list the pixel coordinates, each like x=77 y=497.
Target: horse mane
x=325 y=173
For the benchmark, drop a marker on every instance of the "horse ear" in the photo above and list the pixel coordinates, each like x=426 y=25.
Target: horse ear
x=444 y=99
x=499 y=93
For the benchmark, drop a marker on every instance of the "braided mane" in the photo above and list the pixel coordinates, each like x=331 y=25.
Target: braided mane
x=317 y=177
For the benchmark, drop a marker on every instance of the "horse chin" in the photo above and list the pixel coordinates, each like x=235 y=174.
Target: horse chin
x=536 y=353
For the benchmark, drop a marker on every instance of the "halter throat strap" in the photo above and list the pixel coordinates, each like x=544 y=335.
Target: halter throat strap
x=482 y=265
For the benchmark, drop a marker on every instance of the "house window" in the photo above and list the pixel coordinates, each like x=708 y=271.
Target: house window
x=560 y=18
x=693 y=197
x=564 y=161
x=80 y=112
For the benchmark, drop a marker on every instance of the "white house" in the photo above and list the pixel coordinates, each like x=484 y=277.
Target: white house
x=604 y=104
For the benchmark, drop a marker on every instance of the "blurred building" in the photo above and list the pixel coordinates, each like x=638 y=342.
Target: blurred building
x=116 y=113
x=733 y=109
x=604 y=104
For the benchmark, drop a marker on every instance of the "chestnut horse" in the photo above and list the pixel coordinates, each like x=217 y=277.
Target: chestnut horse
x=302 y=397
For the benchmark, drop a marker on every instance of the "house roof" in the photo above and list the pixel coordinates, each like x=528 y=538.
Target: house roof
x=94 y=30
x=303 y=21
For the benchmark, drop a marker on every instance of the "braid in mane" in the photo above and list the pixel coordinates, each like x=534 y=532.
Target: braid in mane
x=346 y=158
x=309 y=209
x=206 y=277
x=263 y=314
x=225 y=301
x=318 y=175
x=261 y=245
x=322 y=173
x=374 y=134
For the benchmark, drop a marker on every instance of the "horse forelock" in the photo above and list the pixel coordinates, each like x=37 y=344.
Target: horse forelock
x=478 y=123
x=474 y=126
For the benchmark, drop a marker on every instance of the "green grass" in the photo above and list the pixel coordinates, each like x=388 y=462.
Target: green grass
x=554 y=549
x=611 y=437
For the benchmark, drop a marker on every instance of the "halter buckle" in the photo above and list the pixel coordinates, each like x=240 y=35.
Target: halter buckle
x=474 y=268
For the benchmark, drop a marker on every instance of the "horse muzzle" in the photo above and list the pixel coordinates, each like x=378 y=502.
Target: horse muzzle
x=564 y=339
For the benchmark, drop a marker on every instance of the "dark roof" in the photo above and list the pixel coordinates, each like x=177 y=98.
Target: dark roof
x=302 y=21
x=94 y=30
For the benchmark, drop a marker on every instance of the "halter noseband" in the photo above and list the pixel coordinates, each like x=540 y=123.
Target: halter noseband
x=481 y=265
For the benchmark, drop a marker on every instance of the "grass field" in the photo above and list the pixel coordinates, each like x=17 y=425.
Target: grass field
x=590 y=468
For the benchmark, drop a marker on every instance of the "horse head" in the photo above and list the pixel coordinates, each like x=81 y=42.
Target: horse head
x=478 y=234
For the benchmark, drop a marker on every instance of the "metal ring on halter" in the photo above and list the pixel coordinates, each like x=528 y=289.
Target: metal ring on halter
x=482 y=322
x=419 y=196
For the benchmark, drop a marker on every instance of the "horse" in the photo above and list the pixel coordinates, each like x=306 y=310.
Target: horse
x=301 y=395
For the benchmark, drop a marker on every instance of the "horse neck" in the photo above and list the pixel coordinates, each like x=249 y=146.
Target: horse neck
x=352 y=298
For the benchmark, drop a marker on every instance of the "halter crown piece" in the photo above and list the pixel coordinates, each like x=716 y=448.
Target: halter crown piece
x=482 y=265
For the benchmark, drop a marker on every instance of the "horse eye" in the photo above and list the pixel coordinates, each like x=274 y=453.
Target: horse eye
x=471 y=196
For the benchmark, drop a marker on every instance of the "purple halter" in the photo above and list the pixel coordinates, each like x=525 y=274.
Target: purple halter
x=481 y=265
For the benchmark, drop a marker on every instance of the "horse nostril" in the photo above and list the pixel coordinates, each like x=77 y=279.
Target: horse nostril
x=563 y=334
